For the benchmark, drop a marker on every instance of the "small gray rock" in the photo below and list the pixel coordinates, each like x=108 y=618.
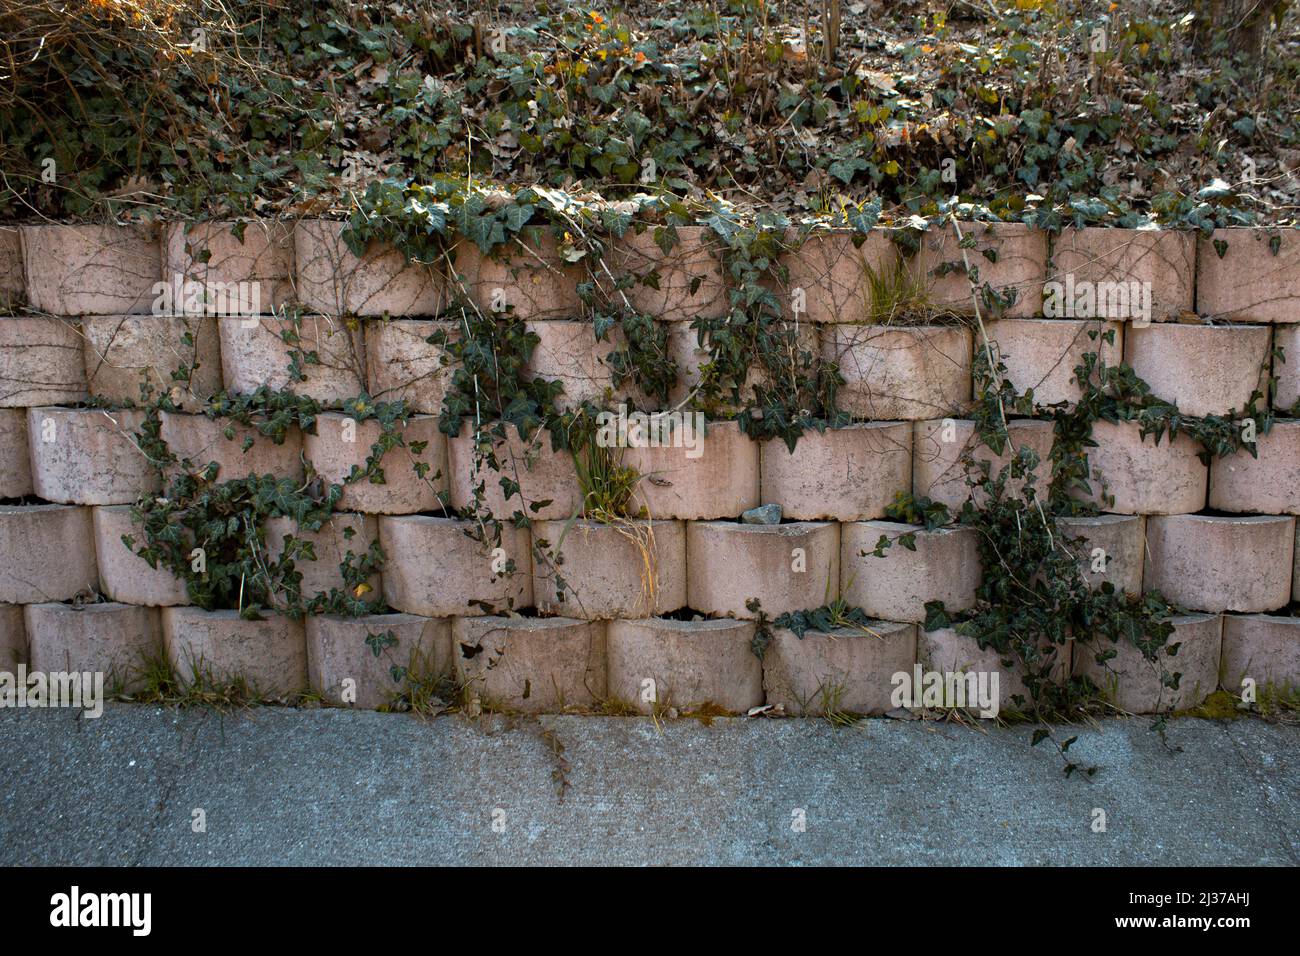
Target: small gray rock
x=763 y=514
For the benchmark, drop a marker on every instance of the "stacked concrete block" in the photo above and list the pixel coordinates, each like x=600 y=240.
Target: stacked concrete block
x=1011 y=258
x=124 y=352
x=329 y=353
x=435 y=567
x=941 y=565
x=1249 y=275
x=948 y=653
x=949 y=452
x=1216 y=563
x=652 y=613
x=901 y=372
x=367 y=662
x=116 y=640
x=1094 y=265
x=89 y=456
x=595 y=570
x=237 y=450
x=41 y=362
x=848 y=670
x=1137 y=685
x=332 y=280
x=534 y=665
x=1203 y=369
x=678 y=285
x=787 y=567
x=91 y=269
x=840 y=474
x=218 y=648
x=658 y=664
x=340 y=447
x=219 y=256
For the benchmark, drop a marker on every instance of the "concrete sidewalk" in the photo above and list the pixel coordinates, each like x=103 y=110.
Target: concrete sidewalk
x=338 y=787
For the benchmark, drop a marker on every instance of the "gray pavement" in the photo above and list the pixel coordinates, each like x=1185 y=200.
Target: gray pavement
x=319 y=787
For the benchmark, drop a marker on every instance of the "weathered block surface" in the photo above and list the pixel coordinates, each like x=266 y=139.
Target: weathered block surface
x=611 y=571
x=47 y=553
x=1249 y=282
x=332 y=280
x=91 y=269
x=343 y=667
x=568 y=353
x=682 y=284
x=845 y=474
x=254 y=353
x=113 y=639
x=41 y=362
x=1287 y=338
x=944 y=567
x=13 y=637
x=1111 y=549
x=1203 y=369
x=344 y=533
x=690 y=356
x=88 y=456
x=1164 y=259
x=659 y=664
x=1269 y=484
x=434 y=568
x=939 y=471
x=404 y=366
x=844 y=671
x=341 y=446
x=122 y=351
x=1212 y=563
x=947 y=652
x=15 y=462
x=1263 y=648
x=1042 y=354
x=831 y=270
x=13 y=285
x=788 y=567
x=902 y=373
x=219 y=647
x=210 y=253
x=123 y=575
x=717 y=478
x=541 y=473
x=536 y=665
x=201 y=440
x=1130 y=474
x=1020 y=265
x=1134 y=684
x=527 y=277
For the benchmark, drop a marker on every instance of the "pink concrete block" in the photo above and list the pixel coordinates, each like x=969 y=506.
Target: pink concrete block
x=124 y=351
x=719 y=478
x=847 y=670
x=89 y=456
x=332 y=280
x=125 y=576
x=941 y=447
x=1267 y=484
x=682 y=284
x=254 y=352
x=212 y=254
x=528 y=276
x=91 y=269
x=13 y=637
x=15 y=462
x=944 y=567
x=1162 y=260
x=41 y=362
x=1010 y=257
x=534 y=665
x=1042 y=354
x=344 y=668
x=1256 y=279
x=788 y=567
x=630 y=570
x=200 y=441
x=404 y=366
x=117 y=640
x=846 y=474
x=342 y=534
x=901 y=372
x=434 y=567
x=1216 y=563
x=477 y=464
x=47 y=553
x=1129 y=474
x=1263 y=648
x=340 y=447
x=13 y=284
x=221 y=648
x=1203 y=369
x=657 y=664
x=1135 y=685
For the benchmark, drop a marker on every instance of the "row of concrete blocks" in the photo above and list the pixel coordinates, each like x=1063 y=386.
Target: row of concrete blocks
x=90 y=457
x=891 y=373
x=649 y=665
x=642 y=569
x=1241 y=274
